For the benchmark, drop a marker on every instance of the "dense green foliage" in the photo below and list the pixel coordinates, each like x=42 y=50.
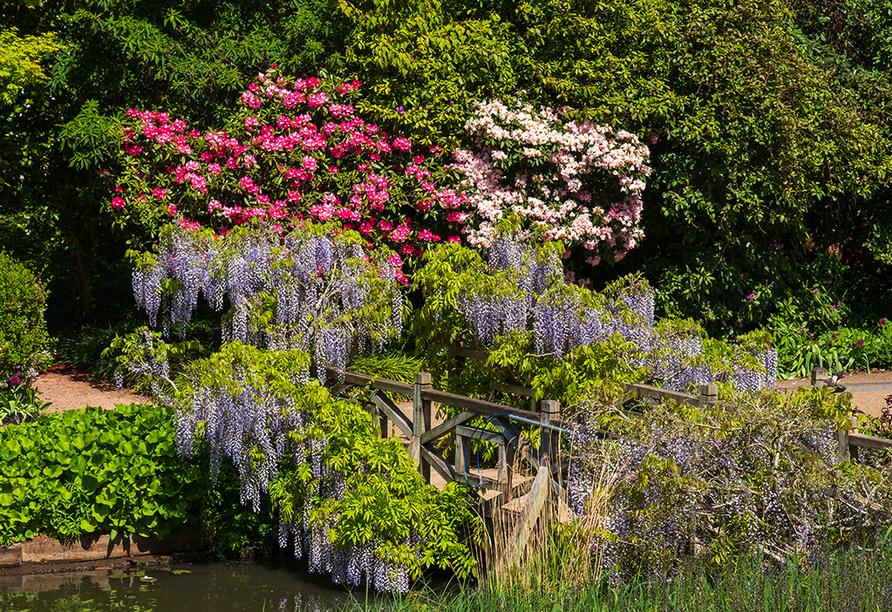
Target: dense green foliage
x=331 y=479
x=463 y=292
x=770 y=145
x=19 y=404
x=24 y=341
x=839 y=349
x=96 y=471
x=55 y=144
x=20 y=62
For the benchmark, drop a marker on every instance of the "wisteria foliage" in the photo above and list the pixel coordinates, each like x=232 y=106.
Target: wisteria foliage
x=521 y=288
x=759 y=478
x=328 y=298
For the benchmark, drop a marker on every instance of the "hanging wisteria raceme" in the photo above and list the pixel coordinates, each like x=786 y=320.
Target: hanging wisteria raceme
x=329 y=297
x=252 y=411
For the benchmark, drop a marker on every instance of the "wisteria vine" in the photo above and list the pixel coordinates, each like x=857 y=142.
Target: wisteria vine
x=328 y=296
x=759 y=478
x=521 y=288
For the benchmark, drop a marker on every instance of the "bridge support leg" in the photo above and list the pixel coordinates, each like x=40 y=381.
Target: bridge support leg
x=421 y=422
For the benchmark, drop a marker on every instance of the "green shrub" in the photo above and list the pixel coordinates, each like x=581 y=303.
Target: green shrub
x=97 y=471
x=24 y=341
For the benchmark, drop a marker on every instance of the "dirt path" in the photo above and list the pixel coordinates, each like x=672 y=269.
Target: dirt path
x=71 y=390
x=870 y=401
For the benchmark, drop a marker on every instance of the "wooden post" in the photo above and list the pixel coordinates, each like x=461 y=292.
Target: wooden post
x=460 y=442
x=547 y=451
x=382 y=425
x=818 y=376
x=421 y=422
x=709 y=394
x=842 y=446
x=528 y=517
x=378 y=417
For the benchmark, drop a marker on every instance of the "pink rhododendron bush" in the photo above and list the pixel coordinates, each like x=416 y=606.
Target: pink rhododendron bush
x=294 y=150
x=580 y=183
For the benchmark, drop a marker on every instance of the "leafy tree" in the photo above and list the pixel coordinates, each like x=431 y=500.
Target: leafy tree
x=20 y=62
x=763 y=132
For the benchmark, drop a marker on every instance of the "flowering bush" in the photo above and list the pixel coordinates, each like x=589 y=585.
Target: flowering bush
x=24 y=342
x=560 y=338
x=304 y=290
x=293 y=150
x=761 y=476
x=555 y=175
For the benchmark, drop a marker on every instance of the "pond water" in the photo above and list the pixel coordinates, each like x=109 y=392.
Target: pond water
x=190 y=587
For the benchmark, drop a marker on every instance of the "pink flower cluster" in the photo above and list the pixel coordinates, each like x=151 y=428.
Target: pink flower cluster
x=293 y=151
x=557 y=176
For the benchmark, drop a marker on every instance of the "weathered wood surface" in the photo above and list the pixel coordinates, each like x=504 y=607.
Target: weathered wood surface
x=372 y=382
x=477 y=405
x=392 y=412
x=866 y=387
x=657 y=394
x=861 y=440
x=536 y=500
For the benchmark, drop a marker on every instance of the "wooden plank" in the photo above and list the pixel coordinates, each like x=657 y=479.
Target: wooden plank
x=477 y=405
x=370 y=382
x=459 y=453
x=485 y=482
x=339 y=388
x=446 y=426
x=515 y=389
x=535 y=503
x=435 y=460
x=843 y=452
x=866 y=387
x=393 y=413
x=655 y=393
x=865 y=441
x=421 y=422
x=478 y=433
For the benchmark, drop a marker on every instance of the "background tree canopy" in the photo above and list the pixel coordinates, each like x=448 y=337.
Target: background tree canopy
x=767 y=120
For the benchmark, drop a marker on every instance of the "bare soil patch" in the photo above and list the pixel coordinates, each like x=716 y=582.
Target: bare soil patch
x=68 y=389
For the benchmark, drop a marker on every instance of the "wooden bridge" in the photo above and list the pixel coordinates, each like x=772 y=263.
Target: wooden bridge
x=423 y=437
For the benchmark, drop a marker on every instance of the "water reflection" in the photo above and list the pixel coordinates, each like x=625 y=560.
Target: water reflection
x=211 y=587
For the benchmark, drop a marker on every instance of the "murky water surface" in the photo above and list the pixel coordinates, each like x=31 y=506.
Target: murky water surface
x=187 y=587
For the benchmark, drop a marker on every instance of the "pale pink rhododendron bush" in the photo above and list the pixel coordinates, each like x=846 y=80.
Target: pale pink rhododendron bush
x=576 y=182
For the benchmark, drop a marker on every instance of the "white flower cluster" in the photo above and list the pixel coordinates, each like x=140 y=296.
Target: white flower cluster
x=555 y=175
